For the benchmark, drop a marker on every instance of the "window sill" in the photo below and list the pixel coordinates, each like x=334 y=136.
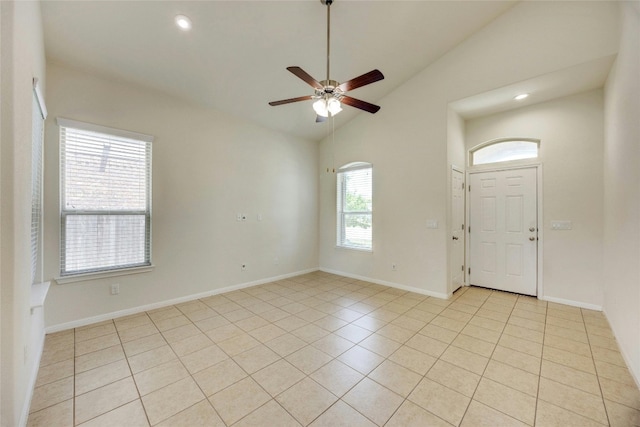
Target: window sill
x=103 y=274
x=38 y=294
x=350 y=248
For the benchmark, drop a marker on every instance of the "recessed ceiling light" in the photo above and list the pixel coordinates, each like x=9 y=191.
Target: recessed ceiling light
x=521 y=96
x=183 y=22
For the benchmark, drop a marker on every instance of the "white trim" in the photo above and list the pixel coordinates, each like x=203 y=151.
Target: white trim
x=450 y=283
x=498 y=141
x=354 y=166
x=142 y=308
x=354 y=248
x=390 y=284
x=33 y=377
x=83 y=277
x=37 y=89
x=68 y=123
x=39 y=294
x=571 y=303
x=625 y=356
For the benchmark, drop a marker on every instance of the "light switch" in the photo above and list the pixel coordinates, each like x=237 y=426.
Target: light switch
x=561 y=225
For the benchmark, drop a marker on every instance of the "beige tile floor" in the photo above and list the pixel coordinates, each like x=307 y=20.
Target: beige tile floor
x=324 y=350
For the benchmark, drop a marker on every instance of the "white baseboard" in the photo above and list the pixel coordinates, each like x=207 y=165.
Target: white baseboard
x=390 y=284
x=571 y=303
x=36 y=351
x=187 y=298
x=635 y=375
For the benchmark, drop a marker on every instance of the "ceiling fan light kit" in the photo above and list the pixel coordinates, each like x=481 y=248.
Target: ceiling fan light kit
x=329 y=95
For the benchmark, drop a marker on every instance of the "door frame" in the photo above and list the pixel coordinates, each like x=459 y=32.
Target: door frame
x=507 y=166
x=450 y=284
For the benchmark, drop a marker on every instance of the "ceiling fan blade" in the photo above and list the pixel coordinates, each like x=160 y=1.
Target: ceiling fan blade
x=320 y=119
x=301 y=74
x=363 y=105
x=290 y=100
x=365 y=79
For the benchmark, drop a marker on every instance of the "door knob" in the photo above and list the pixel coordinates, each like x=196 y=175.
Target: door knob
x=532 y=229
x=532 y=238
x=455 y=238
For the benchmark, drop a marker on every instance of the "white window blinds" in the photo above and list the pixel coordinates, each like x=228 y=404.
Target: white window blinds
x=39 y=113
x=105 y=198
x=355 y=206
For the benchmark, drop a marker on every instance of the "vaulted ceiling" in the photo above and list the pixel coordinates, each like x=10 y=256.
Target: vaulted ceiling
x=235 y=57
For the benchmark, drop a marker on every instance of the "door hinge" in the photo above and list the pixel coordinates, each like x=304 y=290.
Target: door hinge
x=463 y=185
x=469 y=270
x=469 y=229
x=469 y=188
x=462 y=228
x=462 y=267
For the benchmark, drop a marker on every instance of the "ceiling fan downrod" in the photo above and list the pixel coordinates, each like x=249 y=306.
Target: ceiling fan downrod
x=328 y=4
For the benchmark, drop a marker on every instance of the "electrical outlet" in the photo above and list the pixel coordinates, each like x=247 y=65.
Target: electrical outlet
x=115 y=289
x=244 y=267
x=394 y=267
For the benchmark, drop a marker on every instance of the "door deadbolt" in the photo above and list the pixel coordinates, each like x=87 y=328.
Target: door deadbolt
x=532 y=238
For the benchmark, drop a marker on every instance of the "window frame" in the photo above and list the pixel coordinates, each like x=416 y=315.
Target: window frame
x=340 y=212
x=113 y=270
x=492 y=142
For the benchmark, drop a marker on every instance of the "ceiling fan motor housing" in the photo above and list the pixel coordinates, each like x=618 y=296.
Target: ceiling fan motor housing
x=330 y=87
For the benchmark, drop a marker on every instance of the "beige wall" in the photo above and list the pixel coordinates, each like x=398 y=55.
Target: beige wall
x=407 y=140
x=22 y=333
x=207 y=166
x=571 y=135
x=622 y=191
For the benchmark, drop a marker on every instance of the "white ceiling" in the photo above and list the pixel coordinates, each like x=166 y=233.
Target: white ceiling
x=235 y=57
x=564 y=82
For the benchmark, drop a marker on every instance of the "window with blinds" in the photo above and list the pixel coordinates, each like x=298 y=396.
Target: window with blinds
x=105 y=199
x=354 y=206
x=38 y=114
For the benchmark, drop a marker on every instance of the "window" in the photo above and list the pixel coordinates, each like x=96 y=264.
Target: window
x=38 y=114
x=355 y=202
x=105 y=182
x=504 y=150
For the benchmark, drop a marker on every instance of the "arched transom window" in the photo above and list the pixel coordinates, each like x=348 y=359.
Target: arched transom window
x=504 y=150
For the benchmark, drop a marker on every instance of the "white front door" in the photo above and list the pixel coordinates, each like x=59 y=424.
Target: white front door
x=503 y=238
x=457 y=230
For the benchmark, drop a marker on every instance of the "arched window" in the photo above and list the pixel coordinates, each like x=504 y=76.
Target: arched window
x=504 y=150
x=355 y=206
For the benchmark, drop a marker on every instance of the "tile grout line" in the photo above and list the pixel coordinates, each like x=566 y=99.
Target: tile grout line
x=359 y=295
x=544 y=337
x=606 y=412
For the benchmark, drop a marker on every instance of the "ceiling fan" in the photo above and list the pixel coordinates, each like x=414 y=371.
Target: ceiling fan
x=329 y=94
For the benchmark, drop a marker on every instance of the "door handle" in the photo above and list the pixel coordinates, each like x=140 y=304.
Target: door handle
x=532 y=229
x=455 y=238
x=532 y=238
